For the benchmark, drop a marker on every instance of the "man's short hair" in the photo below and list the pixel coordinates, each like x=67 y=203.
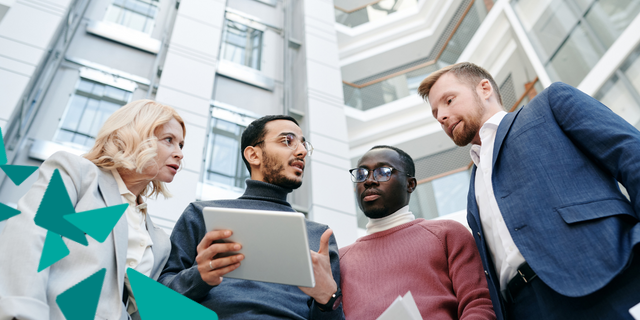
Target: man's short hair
x=407 y=162
x=255 y=132
x=466 y=72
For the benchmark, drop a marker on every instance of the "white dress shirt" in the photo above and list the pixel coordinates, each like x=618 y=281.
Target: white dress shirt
x=402 y=216
x=139 y=254
x=504 y=253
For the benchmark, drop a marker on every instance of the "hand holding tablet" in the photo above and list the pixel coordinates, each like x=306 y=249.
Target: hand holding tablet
x=213 y=258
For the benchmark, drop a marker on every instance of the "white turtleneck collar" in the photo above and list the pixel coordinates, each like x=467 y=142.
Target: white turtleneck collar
x=402 y=216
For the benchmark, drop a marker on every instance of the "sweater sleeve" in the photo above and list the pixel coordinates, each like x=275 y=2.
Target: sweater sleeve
x=334 y=257
x=466 y=273
x=181 y=271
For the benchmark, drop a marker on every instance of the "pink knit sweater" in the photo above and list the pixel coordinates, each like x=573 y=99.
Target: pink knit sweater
x=436 y=260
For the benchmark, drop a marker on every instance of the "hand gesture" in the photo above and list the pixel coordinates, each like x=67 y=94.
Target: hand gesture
x=325 y=284
x=212 y=261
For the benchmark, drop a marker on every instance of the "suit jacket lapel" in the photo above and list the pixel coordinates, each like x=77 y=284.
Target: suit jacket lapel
x=501 y=133
x=160 y=243
x=471 y=199
x=111 y=195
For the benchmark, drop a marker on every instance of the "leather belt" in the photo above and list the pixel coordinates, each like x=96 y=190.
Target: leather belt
x=521 y=280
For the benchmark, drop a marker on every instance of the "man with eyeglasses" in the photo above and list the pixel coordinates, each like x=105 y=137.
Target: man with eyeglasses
x=434 y=259
x=274 y=150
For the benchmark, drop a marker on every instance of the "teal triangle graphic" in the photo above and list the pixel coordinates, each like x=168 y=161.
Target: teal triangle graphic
x=157 y=302
x=3 y=154
x=97 y=223
x=55 y=204
x=7 y=212
x=18 y=174
x=54 y=249
x=80 y=302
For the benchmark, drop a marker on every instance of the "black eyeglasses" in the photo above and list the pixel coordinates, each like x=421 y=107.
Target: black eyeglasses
x=291 y=141
x=380 y=174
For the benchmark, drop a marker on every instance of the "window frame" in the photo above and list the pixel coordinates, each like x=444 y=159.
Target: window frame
x=108 y=80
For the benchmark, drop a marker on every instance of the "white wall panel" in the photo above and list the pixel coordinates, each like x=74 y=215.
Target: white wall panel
x=20 y=52
x=324 y=78
x=11 y=87
x=332 y=189
x=194 y=143
x=327 y=120
x=205 y=11
x=16 y=66
x=326 y=158
x=320 y=49
x=329 y=146
x=188 y=75
x=36 y=27
x=196 y=35
x=182 y=101
x=339 y=222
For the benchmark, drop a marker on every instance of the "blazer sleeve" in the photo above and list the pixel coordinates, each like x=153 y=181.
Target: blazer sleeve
x=181 y=271
x=601 y=134
x=23 y=290
x=466 y=273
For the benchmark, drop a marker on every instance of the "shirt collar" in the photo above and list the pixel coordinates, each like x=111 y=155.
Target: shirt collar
x=491 y=124
x=128 y=195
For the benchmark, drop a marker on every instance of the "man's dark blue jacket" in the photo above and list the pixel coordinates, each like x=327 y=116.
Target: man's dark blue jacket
x=556 y=167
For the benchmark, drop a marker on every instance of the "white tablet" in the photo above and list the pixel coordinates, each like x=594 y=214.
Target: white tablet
x=274 y=244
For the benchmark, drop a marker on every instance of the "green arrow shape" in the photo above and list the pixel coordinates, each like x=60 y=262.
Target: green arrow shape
x=3 y=154
x=7 y=212
x=97 y=223
x=18 y=174
x=53 y=251
x=80 y=302
x=55 y=204
x=157 y=302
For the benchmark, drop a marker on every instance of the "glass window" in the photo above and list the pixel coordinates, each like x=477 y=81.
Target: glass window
x=135 y=14
x=621 y=92
x=242 y=44
x=570 y=36
x=224 y=163
x=87 y=111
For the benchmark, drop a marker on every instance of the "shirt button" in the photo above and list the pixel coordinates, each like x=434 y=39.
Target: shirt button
x=142 y=244
x=131 y=264
x=486 y=273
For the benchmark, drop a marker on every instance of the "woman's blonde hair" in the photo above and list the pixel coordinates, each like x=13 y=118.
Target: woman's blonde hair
x=127 y=140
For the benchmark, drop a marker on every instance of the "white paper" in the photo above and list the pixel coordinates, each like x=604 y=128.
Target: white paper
x=635 y=311
x=403 y=308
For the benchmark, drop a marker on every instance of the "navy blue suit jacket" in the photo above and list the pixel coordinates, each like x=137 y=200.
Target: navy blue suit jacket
x=556 y=167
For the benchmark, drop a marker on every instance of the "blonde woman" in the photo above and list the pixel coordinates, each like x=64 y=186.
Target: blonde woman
x=137 y=151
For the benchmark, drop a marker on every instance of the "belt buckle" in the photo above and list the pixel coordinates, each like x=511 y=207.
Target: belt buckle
x=523 y=276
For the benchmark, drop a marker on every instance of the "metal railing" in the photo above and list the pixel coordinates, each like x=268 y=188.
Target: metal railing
x=375 y=10
x=402 y=82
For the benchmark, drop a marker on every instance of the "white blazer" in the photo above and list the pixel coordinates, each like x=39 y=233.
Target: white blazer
x=26 y=293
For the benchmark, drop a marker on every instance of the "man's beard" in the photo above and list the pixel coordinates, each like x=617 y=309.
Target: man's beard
x=377 y=213
x=471 y=125
x=273 y=173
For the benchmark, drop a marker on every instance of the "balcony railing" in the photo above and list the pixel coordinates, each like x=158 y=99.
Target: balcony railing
x=371 y=12
x=397 y=84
